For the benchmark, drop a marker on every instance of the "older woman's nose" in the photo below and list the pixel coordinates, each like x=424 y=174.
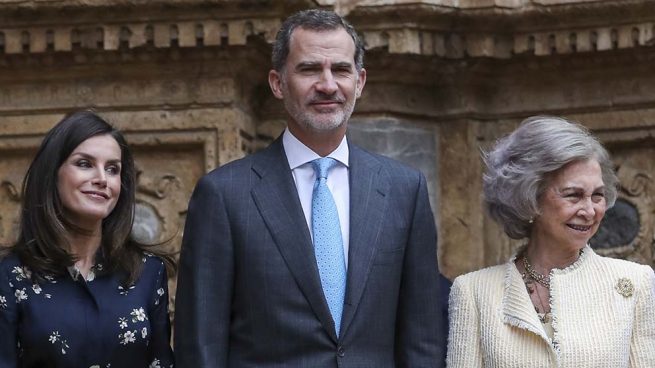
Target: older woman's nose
x=587 y=210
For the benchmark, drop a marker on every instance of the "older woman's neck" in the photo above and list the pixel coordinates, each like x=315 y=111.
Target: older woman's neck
x=546 y=257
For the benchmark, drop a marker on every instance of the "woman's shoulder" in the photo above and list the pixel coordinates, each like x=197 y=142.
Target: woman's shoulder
x=152 y=264
x=490 y=275
x=9 y=260
x=612 y=266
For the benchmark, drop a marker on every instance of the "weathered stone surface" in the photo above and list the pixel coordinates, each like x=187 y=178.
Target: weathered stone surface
x=187 y=81
x=406 y=141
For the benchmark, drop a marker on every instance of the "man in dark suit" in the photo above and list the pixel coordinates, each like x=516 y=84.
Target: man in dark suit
x=311 y=252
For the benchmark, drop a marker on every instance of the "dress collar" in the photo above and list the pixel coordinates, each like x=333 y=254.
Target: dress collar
x=96 y=269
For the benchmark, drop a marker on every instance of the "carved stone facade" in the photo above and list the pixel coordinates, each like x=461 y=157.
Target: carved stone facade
x=186 y=80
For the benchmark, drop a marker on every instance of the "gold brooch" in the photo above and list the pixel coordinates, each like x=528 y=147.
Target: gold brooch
x=625 y=287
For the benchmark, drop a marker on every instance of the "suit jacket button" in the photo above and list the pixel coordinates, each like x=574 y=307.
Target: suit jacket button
x=340 y=351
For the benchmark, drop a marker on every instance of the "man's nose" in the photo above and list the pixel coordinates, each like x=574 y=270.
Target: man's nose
x=327 y=84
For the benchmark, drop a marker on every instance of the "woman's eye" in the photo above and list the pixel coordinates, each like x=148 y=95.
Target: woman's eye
x=83 y=163
x=597 y=197
x=114 y=170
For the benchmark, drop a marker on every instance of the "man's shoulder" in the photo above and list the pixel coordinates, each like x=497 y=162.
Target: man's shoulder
x=244 y=165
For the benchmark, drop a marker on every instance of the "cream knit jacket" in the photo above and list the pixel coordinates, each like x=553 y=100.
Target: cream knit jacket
x=597 y=324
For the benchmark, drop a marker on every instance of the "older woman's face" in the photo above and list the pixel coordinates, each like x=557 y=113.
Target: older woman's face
x=572 y=206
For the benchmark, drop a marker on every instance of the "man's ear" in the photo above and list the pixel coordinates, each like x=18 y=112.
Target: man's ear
x=275 y=82
x=361 y=81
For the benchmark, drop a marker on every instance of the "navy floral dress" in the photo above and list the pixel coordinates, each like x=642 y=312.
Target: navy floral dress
x=69 y=321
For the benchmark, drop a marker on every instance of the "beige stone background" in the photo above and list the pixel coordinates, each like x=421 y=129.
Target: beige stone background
x=186 y=81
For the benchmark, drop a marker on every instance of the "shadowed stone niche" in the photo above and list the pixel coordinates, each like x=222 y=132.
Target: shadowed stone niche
x=404 y=141
x=619 y=228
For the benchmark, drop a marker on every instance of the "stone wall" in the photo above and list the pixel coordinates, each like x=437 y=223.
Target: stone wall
x=186 y=81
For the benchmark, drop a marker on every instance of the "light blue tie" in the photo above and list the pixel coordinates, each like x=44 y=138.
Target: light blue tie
x=328 y=244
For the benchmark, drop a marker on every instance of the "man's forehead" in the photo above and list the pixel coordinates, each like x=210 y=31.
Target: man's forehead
x=334 y=42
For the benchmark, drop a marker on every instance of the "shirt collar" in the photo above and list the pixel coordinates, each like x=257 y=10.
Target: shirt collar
x=299 y=154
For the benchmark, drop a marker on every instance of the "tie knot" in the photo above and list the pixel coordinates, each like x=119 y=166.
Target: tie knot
x=322 y=166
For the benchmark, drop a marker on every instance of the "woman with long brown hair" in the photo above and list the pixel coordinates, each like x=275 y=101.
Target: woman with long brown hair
x=75 y=289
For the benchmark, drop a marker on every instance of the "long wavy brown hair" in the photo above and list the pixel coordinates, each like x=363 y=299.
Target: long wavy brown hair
x=42 y=241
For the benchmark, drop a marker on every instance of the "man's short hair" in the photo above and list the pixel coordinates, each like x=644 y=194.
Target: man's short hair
x=314 y=20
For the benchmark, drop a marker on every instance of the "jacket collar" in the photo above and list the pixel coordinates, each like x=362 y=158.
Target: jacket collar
x=517 y=309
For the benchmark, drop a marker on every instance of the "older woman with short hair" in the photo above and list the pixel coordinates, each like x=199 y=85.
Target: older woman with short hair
x=555 y=303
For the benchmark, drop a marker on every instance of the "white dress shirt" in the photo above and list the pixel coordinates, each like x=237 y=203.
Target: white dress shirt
x=299 y=157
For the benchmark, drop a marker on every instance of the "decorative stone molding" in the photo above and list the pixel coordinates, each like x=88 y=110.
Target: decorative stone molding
x=461 y=45
x=158 y=34
x=478 y=29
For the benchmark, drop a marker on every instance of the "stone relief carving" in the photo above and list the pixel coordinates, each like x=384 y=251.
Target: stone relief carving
x=627 y=229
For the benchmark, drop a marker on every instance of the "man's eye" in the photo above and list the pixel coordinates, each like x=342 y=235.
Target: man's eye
x=308 y=70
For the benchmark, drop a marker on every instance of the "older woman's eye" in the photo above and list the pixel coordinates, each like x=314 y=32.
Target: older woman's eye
x=597 y=197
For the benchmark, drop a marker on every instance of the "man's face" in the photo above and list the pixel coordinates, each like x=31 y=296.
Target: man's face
x=319 y=83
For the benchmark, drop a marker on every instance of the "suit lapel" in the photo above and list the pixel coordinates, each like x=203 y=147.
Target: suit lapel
x=369 y=185
x=277 y=199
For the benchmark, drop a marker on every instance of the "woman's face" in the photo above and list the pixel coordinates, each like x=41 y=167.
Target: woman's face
x=89 y=181
x=572 y=206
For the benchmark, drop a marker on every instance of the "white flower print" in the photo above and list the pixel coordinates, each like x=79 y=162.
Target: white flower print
x=64 y=346
x=155 y=364
x=50 y=278
x=3 y=302
x=48 y=296
x=123 y=291
x=138 y=315
x=122 y=323
x=128 y=337
x=54 y=336
x=36 y=288
x=144 y=333
x=160 y=292
x=21 y=273
x=20 y=295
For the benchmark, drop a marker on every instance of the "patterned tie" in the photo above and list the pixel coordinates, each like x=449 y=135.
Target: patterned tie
x=328 y=244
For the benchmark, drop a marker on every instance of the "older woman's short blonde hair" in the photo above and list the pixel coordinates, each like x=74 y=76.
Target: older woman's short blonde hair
x=518 y=164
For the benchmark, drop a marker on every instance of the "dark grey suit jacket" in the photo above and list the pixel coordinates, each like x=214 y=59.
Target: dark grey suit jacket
x=249 y=293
